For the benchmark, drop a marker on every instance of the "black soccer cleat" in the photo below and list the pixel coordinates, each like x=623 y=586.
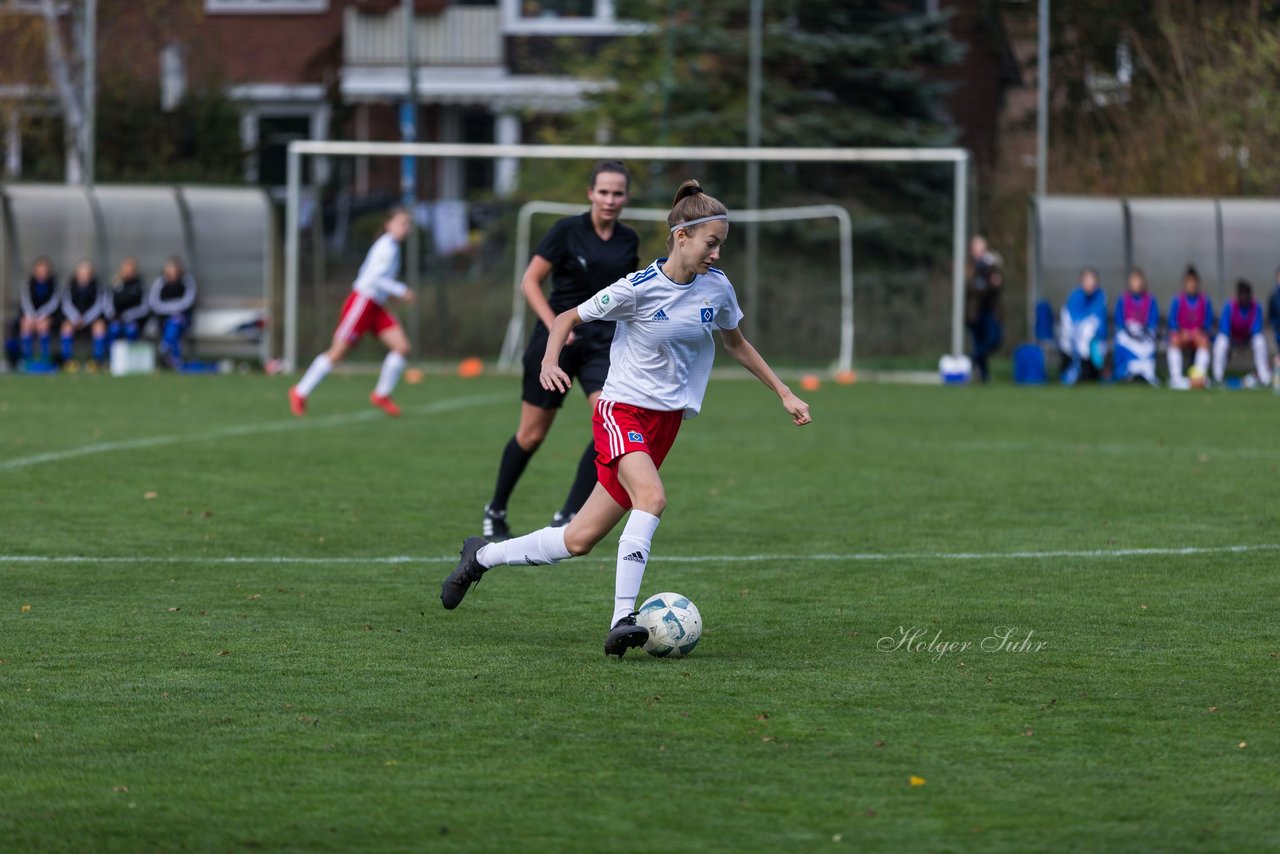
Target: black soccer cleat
x=561 y=519
x=465 y=576
x=494 y=528
x=625 y=635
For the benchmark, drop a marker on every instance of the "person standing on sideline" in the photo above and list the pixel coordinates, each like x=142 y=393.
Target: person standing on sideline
x=661 y=359
x=172 y=301
x=82 y=308
x=1241 y=326
x=581 y=254
x=126 y=304
x=982 y=306
x=39 y=310
x=1190 y=324
x=363 y=312
x=1137 y=316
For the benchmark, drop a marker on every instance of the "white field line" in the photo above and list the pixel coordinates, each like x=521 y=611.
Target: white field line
x=854 y=557
x=306 y=423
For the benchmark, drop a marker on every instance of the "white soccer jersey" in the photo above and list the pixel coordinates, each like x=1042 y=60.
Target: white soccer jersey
x=377 y=276
x=662 y=345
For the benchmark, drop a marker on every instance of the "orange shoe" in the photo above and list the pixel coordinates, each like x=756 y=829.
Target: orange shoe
x=386 y=404
x=297 y=402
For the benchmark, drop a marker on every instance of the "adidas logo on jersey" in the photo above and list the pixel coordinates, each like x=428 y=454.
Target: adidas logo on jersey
x=635 y=557
x=660 y=315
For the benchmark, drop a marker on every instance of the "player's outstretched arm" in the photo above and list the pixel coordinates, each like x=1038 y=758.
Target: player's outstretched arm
x=740 y=348
x=552 y=377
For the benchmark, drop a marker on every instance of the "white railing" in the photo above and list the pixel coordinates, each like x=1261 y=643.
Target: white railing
x=458 y=35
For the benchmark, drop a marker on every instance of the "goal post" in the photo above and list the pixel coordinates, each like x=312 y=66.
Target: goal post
x=513 y=343
x=297 y=149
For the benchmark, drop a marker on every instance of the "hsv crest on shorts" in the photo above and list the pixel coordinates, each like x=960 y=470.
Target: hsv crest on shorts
x=633 y=436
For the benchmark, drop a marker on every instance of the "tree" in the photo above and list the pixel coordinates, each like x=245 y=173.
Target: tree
x=45 y=63
x=1198 y=114
x=836 y=73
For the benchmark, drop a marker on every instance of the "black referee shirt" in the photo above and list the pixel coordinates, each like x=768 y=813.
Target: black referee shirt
x=582 y=263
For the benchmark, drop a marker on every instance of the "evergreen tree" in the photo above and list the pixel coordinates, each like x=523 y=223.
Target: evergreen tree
x=836 y=73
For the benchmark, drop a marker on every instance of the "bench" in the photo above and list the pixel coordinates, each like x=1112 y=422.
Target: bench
x=230 y=330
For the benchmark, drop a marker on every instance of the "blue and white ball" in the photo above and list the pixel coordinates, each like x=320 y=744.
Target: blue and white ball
x=673 y=622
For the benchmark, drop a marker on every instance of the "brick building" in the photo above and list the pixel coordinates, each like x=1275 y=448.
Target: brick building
x=336 y=69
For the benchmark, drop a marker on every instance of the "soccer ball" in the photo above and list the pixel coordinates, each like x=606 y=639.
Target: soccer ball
x=673 y=622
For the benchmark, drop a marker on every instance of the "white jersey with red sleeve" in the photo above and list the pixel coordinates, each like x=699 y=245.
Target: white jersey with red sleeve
x=662 y=345
x=377 y=277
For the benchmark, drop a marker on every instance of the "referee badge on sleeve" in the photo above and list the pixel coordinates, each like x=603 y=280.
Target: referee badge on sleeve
x=708 y=314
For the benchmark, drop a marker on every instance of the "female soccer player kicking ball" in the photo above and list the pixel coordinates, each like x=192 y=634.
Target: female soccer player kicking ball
x=363 y=312
x=660 y=363
x=581 y=254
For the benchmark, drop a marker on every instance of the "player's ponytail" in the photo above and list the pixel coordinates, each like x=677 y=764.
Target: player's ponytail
x=691 y=208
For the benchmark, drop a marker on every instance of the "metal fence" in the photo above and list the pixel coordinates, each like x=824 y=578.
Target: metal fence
x=1226 y=239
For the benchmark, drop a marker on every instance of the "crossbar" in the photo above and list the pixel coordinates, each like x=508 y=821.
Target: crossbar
x=299 y=148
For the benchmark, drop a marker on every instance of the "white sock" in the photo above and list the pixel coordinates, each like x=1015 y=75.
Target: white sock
x=537 y=549
x=633 y=556
x=1221 y=351
x=390 y=374
x=320 y=367
x=1175 y=362
x=1261 y=359
x=1202 y=360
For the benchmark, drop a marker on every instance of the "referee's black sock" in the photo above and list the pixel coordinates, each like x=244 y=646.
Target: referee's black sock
x=514 y=459
x=583 y=483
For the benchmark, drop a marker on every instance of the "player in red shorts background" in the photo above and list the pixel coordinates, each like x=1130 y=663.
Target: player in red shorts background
x=363 y=313
x=660 y=363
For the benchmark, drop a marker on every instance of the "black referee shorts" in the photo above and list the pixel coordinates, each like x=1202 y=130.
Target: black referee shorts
x=586 y=361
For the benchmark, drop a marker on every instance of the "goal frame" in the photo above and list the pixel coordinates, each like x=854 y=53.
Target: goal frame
x=513 y=342
x=297 y=149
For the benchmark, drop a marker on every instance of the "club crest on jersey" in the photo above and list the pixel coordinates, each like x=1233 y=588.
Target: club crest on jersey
x=633 y=436
x=708 y=314
x=660 y=315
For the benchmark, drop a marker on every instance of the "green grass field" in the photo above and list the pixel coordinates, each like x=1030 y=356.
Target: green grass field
x=219 y=625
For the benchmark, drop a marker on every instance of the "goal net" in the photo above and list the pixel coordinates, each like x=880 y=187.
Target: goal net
x=473 y=241
x=840 y=287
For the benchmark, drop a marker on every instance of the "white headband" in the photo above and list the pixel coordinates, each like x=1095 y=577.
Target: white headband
x=699 y=221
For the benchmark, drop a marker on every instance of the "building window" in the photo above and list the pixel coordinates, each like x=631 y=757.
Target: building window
x=265 y=7
x=562 y=18
x=274 y=135
x=477 y=127
x=173 y=76
x=557 y=8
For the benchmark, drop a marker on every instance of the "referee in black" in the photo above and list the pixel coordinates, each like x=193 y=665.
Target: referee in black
x=581 y=254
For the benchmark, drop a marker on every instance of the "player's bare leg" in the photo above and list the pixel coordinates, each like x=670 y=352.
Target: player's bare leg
x=397 y=344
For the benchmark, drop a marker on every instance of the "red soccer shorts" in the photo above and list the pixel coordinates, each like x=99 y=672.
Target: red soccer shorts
x=621 y=429
x=1185 y=338
x=361 y=315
